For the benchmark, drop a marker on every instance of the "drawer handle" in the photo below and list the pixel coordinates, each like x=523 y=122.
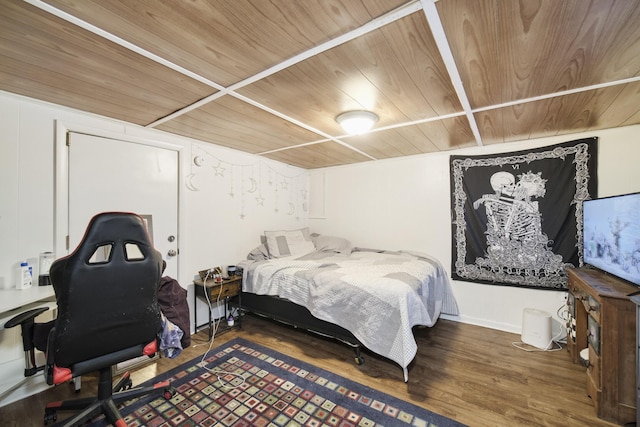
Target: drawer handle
x=583 y=299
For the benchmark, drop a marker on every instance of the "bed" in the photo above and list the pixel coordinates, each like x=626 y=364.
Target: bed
x=364 y=297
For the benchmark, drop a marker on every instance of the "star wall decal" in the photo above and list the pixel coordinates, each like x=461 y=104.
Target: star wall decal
x=219 y=170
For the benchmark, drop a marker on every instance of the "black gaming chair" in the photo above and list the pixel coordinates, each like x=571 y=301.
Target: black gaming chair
x=108 y=312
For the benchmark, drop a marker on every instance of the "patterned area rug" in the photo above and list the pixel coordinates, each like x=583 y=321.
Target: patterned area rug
x=245 y=384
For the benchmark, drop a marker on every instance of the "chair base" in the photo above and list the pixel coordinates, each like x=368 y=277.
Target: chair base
x=109 y=397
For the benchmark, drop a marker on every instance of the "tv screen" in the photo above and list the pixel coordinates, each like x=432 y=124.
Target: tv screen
x=612 y=235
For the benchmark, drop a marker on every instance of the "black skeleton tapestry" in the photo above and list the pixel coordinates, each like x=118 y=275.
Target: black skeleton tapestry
x=517 y=217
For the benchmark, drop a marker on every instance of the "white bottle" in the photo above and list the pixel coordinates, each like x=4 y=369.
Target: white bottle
x=25 y=277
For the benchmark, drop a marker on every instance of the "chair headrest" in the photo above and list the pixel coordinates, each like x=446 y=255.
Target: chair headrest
x=115 y=228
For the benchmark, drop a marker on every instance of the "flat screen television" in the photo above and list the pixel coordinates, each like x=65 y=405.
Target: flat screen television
x=611 y=235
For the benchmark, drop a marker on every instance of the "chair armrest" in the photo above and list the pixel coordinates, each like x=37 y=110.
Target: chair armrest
x=25 y=317
x=26 y=321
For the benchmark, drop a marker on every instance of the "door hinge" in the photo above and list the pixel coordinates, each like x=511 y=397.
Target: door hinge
x=66 y=243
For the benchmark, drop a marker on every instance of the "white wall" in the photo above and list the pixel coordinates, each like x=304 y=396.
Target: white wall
x=221 y=217
x=405 y=204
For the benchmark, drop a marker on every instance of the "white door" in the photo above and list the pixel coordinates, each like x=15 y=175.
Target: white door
x=112 y=175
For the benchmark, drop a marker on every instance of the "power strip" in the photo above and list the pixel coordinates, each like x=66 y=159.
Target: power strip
x=209 y=272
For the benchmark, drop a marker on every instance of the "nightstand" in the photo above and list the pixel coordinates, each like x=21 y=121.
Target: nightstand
x=214 y=291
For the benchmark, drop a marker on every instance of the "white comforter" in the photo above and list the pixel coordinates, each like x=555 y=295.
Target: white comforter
x=378 y=297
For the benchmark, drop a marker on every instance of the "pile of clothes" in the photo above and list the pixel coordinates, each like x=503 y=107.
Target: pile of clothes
x=176 y=334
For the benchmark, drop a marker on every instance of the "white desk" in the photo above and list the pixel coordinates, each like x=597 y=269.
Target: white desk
x=10 y=299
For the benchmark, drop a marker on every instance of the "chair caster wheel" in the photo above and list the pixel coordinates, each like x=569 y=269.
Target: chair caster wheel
x=169 y=393
x=359 y=360
x=50 y=417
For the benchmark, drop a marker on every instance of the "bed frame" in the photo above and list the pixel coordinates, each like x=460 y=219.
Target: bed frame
x=287 y=312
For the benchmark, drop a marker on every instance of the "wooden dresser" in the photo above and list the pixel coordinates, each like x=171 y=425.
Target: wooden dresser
x=602 y=318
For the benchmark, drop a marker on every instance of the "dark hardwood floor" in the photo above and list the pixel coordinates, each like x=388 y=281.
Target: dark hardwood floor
x=469 y=373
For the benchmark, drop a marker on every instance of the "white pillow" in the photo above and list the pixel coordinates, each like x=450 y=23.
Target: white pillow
x=283 y=243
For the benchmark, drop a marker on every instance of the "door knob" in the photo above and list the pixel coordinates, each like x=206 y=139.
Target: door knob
x=172 y=252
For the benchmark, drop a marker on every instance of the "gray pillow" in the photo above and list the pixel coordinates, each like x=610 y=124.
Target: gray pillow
x=332 y=244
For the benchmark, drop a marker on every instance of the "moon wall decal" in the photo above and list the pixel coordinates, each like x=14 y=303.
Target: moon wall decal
x=188 y=182
x=254 y=185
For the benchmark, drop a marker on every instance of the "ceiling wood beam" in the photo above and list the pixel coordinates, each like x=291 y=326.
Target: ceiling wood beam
x=430 y=11
x=557 y=94
x=119 y=41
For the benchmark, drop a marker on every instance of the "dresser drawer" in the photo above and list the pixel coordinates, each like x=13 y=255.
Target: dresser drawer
x=593 y=307
x=228 y=290
x=216 y=291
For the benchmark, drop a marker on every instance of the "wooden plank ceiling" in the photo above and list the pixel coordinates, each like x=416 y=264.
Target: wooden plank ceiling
x=269 y=77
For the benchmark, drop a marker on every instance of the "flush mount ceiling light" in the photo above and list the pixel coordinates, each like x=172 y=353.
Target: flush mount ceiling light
x=357 y=122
